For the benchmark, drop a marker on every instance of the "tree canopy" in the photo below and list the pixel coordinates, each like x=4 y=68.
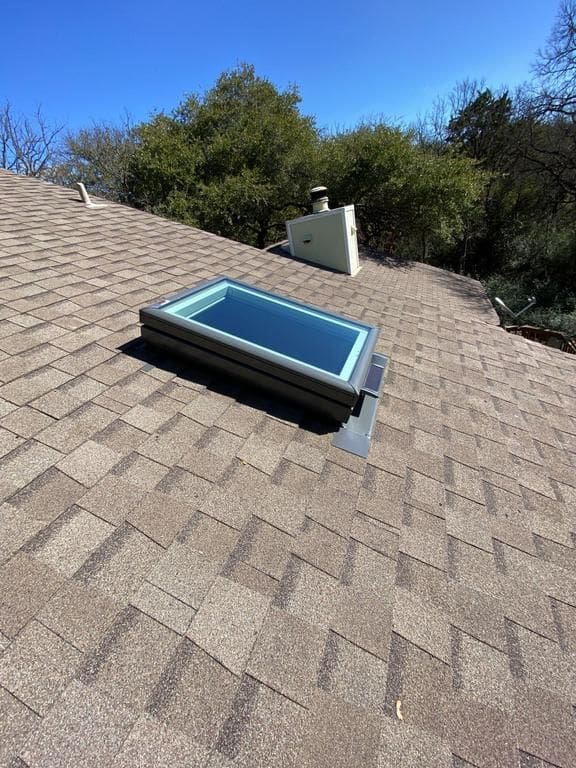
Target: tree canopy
x=236 y=161
x=484 y=184
x=100 y=157
x=239 y=161
x=408 y=199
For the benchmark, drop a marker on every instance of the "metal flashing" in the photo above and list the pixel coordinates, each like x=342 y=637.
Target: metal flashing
x=355 y=435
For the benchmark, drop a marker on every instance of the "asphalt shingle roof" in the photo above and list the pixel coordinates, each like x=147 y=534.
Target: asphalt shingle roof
x=190 y=575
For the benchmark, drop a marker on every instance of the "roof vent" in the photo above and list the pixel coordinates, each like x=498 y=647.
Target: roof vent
x=85 y=197
x=319 y=198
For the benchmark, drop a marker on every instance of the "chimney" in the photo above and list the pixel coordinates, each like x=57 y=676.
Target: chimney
x=327 y=236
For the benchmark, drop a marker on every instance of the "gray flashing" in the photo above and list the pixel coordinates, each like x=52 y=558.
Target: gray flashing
x=355 y=435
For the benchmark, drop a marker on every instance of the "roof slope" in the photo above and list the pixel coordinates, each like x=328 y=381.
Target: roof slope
x=190 y=575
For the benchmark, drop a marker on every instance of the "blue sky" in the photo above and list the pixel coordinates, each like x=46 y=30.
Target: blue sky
x=85 y=61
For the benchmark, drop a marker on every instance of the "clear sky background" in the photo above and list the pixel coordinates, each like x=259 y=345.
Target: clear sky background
x=90 y=61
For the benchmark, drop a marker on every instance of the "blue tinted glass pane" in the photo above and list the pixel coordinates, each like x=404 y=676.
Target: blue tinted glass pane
x=299 y=333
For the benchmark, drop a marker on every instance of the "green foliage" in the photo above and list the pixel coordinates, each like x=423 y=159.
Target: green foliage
x=542 y=265
x=240 y=159
x=366 y=166
x=486 y=187
x=237 y=161
x=481 y=129
x=408 y=199
x=446 y=191
x=553 y=310
x=99 y=157
x=163 y=173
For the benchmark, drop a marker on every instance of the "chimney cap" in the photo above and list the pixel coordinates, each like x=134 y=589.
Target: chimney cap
x=317 y=193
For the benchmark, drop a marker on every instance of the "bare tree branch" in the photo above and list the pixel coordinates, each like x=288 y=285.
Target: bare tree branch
x=28 y=146
x=100 y=157
x=555 y=68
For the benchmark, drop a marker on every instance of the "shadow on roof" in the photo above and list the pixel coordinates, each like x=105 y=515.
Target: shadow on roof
x=378 y=257
x=279 y=250
x=386 y=259
x=469 y=290
x=219 y=383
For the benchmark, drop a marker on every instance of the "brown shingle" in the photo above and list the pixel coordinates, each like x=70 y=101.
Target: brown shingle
x=321 y=547
x=68 y=540
x=112 y=499
x=264 y=547
x=17 y=721
x=24 y=464
x=264 y=730
x=80 y=710
x=88 y=463
x=213 y=454
x=206 y=408
x=26 y=421
x=140 y=471
x=440 y=573
x=554 y=740
x=25 y=586
x=32 y=385
x=287 y=656
x=404 y=746
x=338 y=734
x=71 y=431
x=352 y=674
x=120 y=563
x=79 y=614
x=159 y=605
x=228 y=622
x=172 y=440
x=37 y=666
x=195 y=694
x=153 y=745
x=48 y=495
x=130 y=659
x=185 y=573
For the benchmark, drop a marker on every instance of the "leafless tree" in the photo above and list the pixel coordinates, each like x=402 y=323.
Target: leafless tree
x=555 y=68
x=28 y=145
x=549 y=109
x=432 y=128
x=100 y=157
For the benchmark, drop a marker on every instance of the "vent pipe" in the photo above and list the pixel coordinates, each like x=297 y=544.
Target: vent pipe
x=319 y=199
x=85 y=197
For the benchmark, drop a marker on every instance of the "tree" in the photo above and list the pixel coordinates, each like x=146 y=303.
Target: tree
x=366 y=166
x=163 y=176
x=481 y=129
x=28 y=145
x=237 y=160
x=408 y=199
x=550 y=110
x=555 y=67
x=100 y=158
x=431 y=128
x=484 y=129
x=446 y=193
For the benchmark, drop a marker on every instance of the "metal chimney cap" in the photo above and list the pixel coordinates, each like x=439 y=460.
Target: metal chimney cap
x=317 y=193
